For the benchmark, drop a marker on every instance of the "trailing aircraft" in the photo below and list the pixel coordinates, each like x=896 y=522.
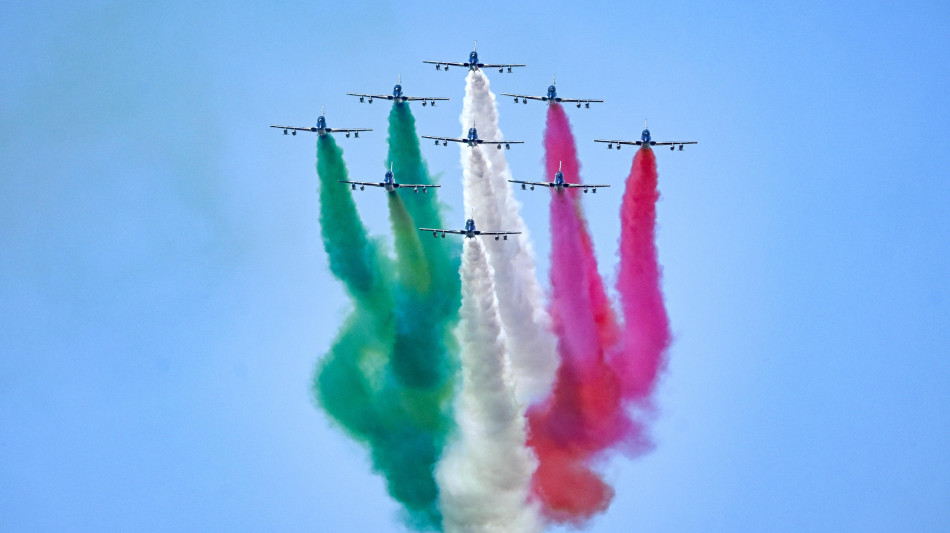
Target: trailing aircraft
x=558 y=184
x=645 y=140
x=397 y=96
x=321 y=128
x=470 y=232
x=472 y=140
x=388 y=183
x=472 y=63
x=552 y=97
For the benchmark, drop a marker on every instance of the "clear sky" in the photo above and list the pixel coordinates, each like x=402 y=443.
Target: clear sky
x=164 y=294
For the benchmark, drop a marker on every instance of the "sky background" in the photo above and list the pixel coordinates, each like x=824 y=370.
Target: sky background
x=164 y=294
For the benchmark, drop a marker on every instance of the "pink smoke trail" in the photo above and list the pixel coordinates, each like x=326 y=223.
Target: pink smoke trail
x=647 y=332
x=587 y=414
x=584 y=414
x=561 y=151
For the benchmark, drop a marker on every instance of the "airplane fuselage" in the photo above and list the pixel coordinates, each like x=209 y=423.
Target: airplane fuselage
x=645 y=139
x=470 y=231
x=473 y=60
x=552 y=95
x=389 y=183
x=559 y=181
x=472 y=136
x=321 y=127
x=397 y=94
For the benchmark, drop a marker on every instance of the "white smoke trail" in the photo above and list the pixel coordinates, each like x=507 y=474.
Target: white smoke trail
x=520 y=299
x=484 y=475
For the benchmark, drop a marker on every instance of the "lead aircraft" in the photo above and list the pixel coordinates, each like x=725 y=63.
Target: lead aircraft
x=397 y=96
x=558 y=184
x=472 y=63
x=472 y=140
x=388 y=183
x=552 y=97
x=645 y=140
x=321 y=128
x=470 y=232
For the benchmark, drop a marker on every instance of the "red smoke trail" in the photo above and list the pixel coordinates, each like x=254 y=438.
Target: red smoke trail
x=586 y=413
x=647 y=332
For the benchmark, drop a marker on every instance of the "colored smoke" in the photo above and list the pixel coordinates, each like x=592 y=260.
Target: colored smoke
x=520 y=297
x=388 y=377
x=647 y=332
x=483 y=476
x=601 y=371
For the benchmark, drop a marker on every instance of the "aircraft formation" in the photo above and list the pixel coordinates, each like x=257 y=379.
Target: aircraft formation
x=472 y=139
x=538 y=381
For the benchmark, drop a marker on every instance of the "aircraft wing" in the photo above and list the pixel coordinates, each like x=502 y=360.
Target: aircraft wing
x=401 y=98
x=448 y=63
x=371 y=96
x=347 y=131
x=517 y=96
x=671 y=143
x=294 y=128
x=632 y=143
x=361 y=183
x=434 y=231
x=453 y=139
x=582 y=186
x=506 y=65
x=422 y=186
x=480 y=141
x=577 y=100
x=420 y=98
x=533 y=184
x=499 y=233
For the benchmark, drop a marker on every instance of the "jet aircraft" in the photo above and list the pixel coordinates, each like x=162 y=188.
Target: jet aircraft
x=558 y=184
x=470 y=232
x=397 y=96
x=552 y=97
x=645 y=140
x=388 y=183
x=472 y=63
x=471 y=139
x=321 y=128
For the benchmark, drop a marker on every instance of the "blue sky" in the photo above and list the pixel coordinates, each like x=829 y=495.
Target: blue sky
x=164 y=295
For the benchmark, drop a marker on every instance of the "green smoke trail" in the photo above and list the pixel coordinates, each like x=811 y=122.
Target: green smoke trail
x=389 y=376
x=346 y=375
x=426 y=211
x=426 y=351
x=425 y=354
